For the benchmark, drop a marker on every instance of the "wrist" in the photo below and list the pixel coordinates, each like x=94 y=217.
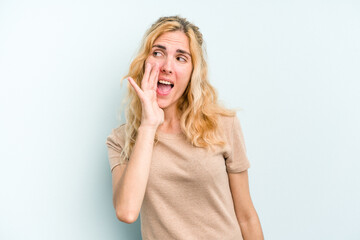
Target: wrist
x=147 y=129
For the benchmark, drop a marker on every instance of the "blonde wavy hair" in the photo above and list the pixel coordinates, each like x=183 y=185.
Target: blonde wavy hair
x=198 y=107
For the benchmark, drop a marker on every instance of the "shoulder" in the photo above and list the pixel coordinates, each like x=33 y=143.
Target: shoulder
x=117 y=135
x=116 y=143
x=227 y=123
x=235 y=150
x=119 y=131
x=231 y=129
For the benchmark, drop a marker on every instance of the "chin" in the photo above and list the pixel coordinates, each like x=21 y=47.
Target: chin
x=163 y=105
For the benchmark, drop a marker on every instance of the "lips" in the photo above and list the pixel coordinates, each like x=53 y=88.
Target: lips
x=164 y=87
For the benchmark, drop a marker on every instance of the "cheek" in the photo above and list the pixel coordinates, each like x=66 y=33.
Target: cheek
x=148 y=60
x=186 y=74
x=153 y=61
x=185 y=81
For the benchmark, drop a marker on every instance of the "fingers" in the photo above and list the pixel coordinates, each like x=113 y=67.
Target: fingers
x=144 y=81
x=150 y=78
x=137 y=89
x=153 y=79
x=156 y=79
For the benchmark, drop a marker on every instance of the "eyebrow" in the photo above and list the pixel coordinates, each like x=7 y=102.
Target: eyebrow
x=178 y=50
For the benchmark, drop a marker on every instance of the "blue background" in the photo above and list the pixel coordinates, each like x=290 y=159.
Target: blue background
x=292 y=66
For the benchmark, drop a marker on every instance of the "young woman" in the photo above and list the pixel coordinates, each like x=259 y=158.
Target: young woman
x=180 y=159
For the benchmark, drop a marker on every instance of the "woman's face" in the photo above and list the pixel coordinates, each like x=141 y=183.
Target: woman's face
x=171 y=51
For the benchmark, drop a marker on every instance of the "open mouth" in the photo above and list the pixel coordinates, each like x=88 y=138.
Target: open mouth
x=164 y=87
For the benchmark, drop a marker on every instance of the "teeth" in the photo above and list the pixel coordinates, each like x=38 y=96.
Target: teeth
x=165 y=82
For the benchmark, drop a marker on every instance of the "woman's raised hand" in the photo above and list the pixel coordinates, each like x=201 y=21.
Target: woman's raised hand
x=152 y=114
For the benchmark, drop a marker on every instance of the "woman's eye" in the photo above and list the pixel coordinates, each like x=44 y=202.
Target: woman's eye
x=156 y=54
x=181 y=59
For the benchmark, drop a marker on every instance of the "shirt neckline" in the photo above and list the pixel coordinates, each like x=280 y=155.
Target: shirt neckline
x=163 y=135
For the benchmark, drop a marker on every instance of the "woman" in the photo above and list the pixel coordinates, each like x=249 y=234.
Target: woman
x=180 y=159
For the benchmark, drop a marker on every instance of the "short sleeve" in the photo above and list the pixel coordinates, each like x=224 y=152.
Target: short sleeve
x=115 y=143
x=236 y=159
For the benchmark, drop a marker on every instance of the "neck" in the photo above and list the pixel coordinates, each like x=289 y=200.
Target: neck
x=171 y=122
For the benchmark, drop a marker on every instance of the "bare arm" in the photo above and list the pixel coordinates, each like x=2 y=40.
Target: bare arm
x=130 y=180
x=245 y=212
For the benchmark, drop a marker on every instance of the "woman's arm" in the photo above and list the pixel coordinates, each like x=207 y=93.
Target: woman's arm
x=130 y=180
x=245 y=212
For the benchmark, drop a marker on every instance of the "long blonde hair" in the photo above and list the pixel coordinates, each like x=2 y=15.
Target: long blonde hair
x=198 y=107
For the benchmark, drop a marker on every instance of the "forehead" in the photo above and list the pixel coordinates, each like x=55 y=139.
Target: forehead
x=177 y=40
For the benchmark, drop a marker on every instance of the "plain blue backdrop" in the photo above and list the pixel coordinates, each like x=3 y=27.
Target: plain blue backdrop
x=292 y=66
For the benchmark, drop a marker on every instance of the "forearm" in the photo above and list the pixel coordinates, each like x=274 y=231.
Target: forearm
x=251 y=228
x=130 y=190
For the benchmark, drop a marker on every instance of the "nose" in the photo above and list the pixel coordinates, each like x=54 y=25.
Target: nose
x=166 y=67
